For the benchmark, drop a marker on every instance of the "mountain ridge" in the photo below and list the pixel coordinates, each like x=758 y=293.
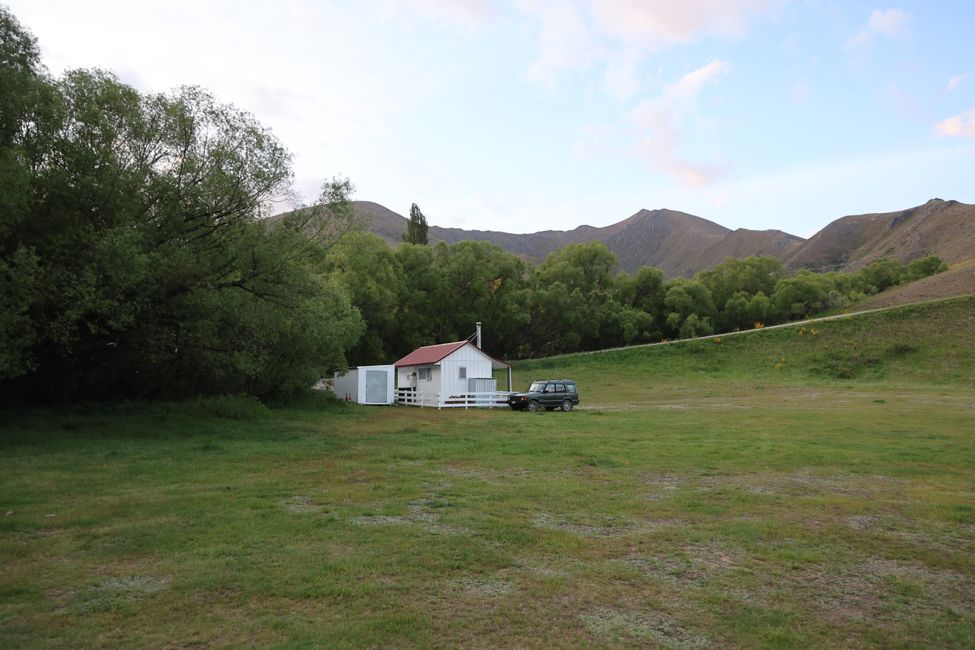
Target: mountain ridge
x=681 y=244
x=943 y=228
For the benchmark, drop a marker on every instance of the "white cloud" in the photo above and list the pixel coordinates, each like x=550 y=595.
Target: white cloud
x=668 y=22
x=660 y=123
x=619 y=34
x=622 y=75
x=597 y=141
x=958 y=126
x=565 y=41
x=690 y=84
x=469 y=15
x=654 y=130
x=887 y=23
x=801 y=92
x=955 y=81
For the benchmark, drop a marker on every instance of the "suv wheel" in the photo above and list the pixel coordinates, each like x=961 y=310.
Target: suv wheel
x=533 y=405
x=567 y=405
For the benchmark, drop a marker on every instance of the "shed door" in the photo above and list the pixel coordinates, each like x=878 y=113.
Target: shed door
x=376 y=386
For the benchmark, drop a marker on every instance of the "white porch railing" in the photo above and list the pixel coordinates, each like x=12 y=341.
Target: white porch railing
x=493 y=399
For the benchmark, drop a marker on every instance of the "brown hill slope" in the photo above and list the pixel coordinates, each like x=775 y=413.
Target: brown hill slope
x=673 y=240
x=682 y=244
x=943 y=228
x=391 y=226
x=676 y=242
x=956 y=281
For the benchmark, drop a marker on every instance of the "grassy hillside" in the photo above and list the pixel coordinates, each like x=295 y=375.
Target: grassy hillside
x=701 y=497
x=929 y=344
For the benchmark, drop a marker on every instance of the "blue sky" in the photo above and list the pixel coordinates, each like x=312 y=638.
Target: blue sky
x=525 y=115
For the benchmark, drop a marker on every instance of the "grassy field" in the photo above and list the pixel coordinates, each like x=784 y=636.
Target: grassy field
x=791 y=488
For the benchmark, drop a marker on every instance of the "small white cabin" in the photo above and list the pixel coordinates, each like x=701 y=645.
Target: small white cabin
x=366 y=385
x=450 y=374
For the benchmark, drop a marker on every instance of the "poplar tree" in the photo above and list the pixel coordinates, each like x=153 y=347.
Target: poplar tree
x=416 y=229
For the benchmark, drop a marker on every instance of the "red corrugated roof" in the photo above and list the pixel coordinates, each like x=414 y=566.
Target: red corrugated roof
x=430 y=354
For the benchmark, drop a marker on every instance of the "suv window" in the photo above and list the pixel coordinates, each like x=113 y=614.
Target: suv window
x=561 y=387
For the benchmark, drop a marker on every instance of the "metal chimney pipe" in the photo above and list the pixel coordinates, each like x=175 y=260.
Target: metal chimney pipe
x=478 y=324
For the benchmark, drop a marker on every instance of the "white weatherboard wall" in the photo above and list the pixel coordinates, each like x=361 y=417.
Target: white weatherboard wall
x=431 y=387
x=478 y=366
x=367 y=385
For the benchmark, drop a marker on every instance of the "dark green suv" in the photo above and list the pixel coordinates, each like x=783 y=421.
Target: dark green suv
x=549 y=394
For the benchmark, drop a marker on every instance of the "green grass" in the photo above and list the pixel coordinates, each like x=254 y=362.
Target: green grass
x=928 y=345
x=700 y=496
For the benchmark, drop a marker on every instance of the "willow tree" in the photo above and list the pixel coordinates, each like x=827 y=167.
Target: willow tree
x=133 y=252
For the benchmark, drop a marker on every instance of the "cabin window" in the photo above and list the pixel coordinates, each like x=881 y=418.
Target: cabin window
x=423 y=374
x=462 y=373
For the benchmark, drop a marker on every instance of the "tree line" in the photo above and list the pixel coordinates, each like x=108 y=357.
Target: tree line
x=575 y=299
x=136 y=260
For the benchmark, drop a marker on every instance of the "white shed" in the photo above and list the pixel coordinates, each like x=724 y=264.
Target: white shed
x=366 y=385
x=450 y=374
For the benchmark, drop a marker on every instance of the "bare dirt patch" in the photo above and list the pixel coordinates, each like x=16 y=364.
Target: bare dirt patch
x=137 y=585
x=696 y=565
x=869 y=589
x=419 y=515
x=611 y=529
x=485 y=586
x=655 y=627
x=587 y=526
x=663 y=486
x=300 y=504
x=863 y=522
x=107 y=594
x=486 y=475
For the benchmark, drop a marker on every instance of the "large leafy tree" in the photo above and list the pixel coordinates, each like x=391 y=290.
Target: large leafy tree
x=373 y=277
x=690 y=309
x=642 y=296
x=132 y=251
x=749 y=275
x=424 y=303
x=734 y=282
x=27 y=98
x=573 y=303
x=588 y=267
x=802 y=295
x=483 y=283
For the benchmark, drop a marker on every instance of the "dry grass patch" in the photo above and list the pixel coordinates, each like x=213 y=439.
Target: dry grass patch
x=652 y=627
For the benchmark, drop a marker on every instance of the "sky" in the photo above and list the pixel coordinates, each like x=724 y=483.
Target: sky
x=527 y=115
